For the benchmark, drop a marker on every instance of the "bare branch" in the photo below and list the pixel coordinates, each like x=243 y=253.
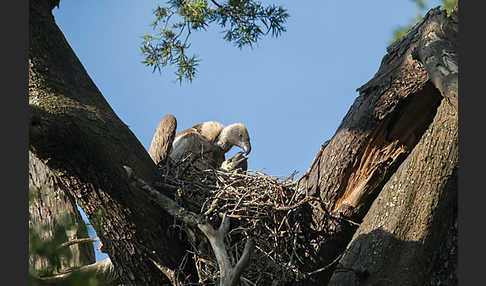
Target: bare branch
x=79 y=240
x=217 y=4
x=164 y=202
x=327 y=266
x=229 y=276
x=103 y=270
x=171 y=274
x=244 y=260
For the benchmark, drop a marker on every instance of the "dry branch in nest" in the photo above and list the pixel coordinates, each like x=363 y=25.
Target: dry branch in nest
x=266 y=209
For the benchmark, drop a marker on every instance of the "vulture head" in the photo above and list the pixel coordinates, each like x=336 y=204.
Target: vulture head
x=234 y=135
x=238 y=161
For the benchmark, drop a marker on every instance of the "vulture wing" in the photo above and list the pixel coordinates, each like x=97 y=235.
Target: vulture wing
x=161 y=144
x=195 y=143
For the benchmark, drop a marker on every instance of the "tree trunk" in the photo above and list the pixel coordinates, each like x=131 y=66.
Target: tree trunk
x=400 y=237
x=76 y=134
x=409 y=104
x=380 y=130
x=51 y=208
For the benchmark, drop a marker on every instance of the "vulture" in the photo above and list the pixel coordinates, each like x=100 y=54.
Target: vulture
x=161 y=145
x=238 y=161
x=212 y=140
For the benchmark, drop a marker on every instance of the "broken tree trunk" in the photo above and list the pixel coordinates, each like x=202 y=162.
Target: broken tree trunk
x=76 y=134
x=400 y=237
x=385 y=123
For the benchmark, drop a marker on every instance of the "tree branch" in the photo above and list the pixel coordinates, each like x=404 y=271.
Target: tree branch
x=437 y=51
x=79 y=240
x=103 y=270
x=163 y=201
x=229 y=276
x=217 y=4
x=244 y=260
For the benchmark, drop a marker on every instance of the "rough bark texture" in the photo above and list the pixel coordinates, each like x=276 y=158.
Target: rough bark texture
x=402 y=129
x=400 y=237
x=402 y=232
x=382 y=127
x=444 y=272
x=51 y=208
x=76 y=134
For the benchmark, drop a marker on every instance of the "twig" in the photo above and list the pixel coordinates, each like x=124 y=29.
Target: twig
x=217 y=4
x=325 y=267
x=79 y=240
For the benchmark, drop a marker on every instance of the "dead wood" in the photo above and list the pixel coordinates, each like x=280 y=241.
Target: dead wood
x=400 y=236
x=380 y=130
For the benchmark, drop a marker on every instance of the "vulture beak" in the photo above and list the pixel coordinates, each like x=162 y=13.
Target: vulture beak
x=238 y=157
x=247 y=148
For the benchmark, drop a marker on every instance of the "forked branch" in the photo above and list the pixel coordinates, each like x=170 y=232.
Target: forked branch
x=229 y=275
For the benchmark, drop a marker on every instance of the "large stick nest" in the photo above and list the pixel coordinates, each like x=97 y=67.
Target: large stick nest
x=266 y=208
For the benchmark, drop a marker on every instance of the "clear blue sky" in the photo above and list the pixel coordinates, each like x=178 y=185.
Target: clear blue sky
x=291 y=92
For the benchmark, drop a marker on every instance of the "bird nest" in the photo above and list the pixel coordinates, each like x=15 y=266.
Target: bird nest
x=264 y=208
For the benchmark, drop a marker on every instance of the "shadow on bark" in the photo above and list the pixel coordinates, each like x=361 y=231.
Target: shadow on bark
x=379 y=258
x=394 y=111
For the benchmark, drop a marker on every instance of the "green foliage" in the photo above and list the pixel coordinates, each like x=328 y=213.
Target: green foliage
x=421 y=7
x=48 y=248
x=33 y=193
x=448 y=5
x=420 y=4
x=244 y=22
x=401 y=31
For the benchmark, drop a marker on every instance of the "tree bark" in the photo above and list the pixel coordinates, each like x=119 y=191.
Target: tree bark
x=410 y=103
x=50 y=208
x=400 y=237
x=382 y=127
x=76 y=134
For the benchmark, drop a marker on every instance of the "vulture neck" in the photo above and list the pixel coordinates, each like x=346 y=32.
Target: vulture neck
x=222 y=142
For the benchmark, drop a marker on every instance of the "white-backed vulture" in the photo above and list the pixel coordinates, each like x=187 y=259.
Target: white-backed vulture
x=210 y=138
x=161 y=145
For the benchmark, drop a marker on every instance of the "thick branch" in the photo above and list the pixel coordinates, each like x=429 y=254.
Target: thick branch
x=216 y=239
x=437 y=51
x=165 y=202
x=243 y=261
x=229 y=276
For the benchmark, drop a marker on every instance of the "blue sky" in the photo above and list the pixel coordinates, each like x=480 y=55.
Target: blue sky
x=291 y=92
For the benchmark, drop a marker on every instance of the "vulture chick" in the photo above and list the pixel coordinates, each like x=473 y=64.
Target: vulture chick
x=238 y=161
x=161 y=145
x=212 y=140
